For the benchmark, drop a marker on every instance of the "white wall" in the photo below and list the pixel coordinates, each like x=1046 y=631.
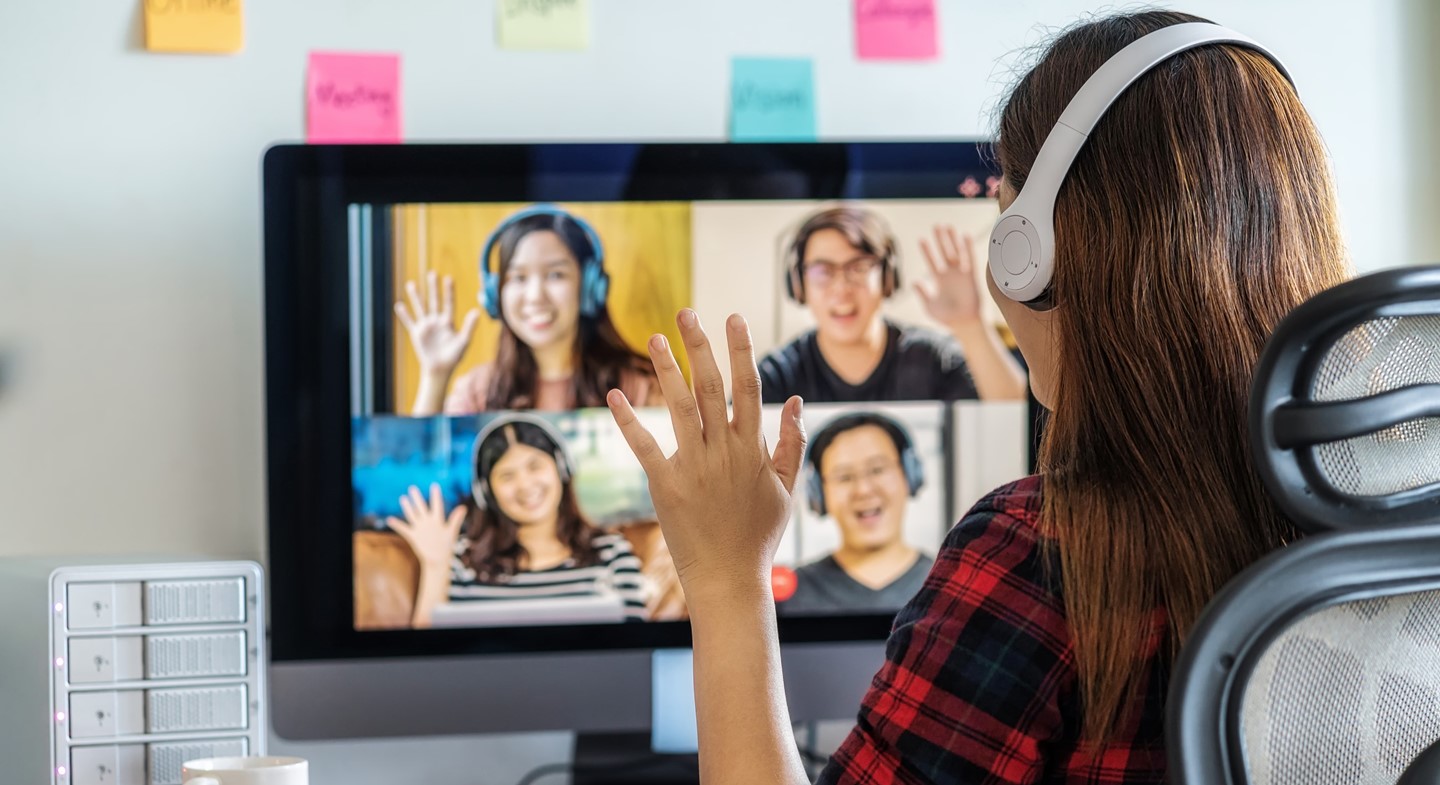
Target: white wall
x=130 y=213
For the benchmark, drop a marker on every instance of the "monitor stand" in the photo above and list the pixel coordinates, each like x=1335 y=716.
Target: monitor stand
x=628 y=759
x=666 y=755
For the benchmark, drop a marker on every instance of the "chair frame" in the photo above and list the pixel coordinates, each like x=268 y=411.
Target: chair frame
x=1285 y=422
x=1203 y=712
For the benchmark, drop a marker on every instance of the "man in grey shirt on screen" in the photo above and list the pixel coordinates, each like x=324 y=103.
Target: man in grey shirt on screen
x=861 y=470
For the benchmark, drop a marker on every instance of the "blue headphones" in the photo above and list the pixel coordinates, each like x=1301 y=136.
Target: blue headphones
x=909 y=458
x=480 y=480
x=594 y=282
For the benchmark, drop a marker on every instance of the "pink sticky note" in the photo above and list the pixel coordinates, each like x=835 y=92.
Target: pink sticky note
x=895 y=29
x=352 y=98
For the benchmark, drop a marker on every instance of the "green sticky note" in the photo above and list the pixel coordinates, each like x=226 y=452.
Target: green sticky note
x=772 y=100
x=543 y=24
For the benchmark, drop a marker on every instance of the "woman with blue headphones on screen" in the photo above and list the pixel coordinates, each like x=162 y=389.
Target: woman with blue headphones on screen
x=861 y=470
x=1166 y=201
x=527 y=538
x=558 y=347
x=842 y=263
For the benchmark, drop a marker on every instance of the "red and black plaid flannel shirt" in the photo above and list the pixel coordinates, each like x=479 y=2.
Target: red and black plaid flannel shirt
x=979 y=683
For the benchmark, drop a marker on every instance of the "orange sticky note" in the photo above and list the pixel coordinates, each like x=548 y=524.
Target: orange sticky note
x=213 y=26
x=353 y=98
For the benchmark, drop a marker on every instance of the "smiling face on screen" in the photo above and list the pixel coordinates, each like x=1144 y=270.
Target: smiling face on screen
x=526 y=485
x=843 y=286
x=865 y=488
x=540 y=292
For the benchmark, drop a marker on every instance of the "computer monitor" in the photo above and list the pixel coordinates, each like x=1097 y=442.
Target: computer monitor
x=459 y=539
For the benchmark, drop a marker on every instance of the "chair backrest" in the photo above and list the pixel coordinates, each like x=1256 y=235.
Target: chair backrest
x=1321 y=663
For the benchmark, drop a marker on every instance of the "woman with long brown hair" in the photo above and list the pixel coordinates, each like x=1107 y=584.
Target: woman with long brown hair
x=526 y=538
x=1197 y=214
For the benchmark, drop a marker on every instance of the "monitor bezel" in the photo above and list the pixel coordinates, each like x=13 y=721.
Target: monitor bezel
x=307 y=190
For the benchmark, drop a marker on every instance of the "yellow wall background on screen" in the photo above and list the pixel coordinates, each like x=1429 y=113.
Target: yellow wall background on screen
x=647 y=254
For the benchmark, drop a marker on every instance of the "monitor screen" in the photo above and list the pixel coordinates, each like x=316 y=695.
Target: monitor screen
x=445 y=321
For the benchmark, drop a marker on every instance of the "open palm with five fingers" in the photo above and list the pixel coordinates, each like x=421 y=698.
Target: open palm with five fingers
x=955 y=301
x=722 y=499
x=429 y=531
x=439 y=345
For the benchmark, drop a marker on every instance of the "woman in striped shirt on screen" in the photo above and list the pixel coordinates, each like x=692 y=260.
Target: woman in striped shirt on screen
x=527 y=543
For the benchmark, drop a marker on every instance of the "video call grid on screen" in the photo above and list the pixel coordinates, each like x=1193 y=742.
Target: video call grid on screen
x=717 y=257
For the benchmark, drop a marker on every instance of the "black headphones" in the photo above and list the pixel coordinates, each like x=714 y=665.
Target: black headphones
x=792 y=250
x=480 y=480
x=909 y=457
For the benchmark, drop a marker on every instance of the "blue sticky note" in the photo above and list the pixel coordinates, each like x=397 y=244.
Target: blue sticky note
x=772 y=100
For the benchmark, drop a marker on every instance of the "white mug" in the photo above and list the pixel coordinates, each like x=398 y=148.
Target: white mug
x=253 y=770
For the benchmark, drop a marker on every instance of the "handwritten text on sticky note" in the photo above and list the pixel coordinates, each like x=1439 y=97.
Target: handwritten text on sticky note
x=895 y=29
x=543 y=24
x=772 y=100
x=353 y=98
x=194 y=26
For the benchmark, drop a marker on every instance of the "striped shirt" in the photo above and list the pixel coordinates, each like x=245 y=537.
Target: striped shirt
x=979 y=683
x=617 y=572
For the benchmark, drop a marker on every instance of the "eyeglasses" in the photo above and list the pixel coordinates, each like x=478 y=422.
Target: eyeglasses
x=874 y=473
x=856 y=271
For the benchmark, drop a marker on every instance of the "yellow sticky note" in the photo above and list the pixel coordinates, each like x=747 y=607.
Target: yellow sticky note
x=194 y=25
x=543 y=24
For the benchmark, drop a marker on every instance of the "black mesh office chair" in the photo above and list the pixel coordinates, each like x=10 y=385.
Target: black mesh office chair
x=1321 y=663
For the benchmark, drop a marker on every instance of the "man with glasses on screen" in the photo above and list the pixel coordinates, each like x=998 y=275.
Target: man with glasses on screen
x=842 y=264
x=861 y=470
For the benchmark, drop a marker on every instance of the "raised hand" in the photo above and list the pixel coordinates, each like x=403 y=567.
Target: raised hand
x=438 y=344
x=722 y=499
x=955 y=302
x=429 y=531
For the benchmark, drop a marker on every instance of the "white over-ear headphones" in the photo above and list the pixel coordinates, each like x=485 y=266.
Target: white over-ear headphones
x=1022 y=245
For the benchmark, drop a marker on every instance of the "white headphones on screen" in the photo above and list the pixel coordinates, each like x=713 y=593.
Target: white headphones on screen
x=1022 y=244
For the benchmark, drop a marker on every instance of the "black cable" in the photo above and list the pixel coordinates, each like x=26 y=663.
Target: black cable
x=539 y=772
x=545 y=770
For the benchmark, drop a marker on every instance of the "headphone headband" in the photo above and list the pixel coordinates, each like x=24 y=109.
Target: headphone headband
x=564 y=463
x=594 y=282
x=1022 y=244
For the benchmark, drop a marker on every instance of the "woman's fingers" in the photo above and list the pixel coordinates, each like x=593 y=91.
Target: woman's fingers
x=791 y=450
x=642 y=443
x=684 y=412
x=744 y=376
x=417 y=503
x=403 y=314
x=437 y=500
x=400 y=527
x=413 y=294
x=456 y=520
x=447 y=303
x=432 y=287
x=709 y=384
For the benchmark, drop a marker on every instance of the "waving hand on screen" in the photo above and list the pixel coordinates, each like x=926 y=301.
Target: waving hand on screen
x=432 y=535
x=438 y=344
x=953 y=300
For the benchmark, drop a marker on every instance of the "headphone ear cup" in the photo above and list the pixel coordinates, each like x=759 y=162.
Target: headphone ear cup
x=594 y=289
x=562 y=465
x=892 y=276
x=490 y=293
x=794 y=283
x=814 y=490
x=480 y=492
x=914 y=470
